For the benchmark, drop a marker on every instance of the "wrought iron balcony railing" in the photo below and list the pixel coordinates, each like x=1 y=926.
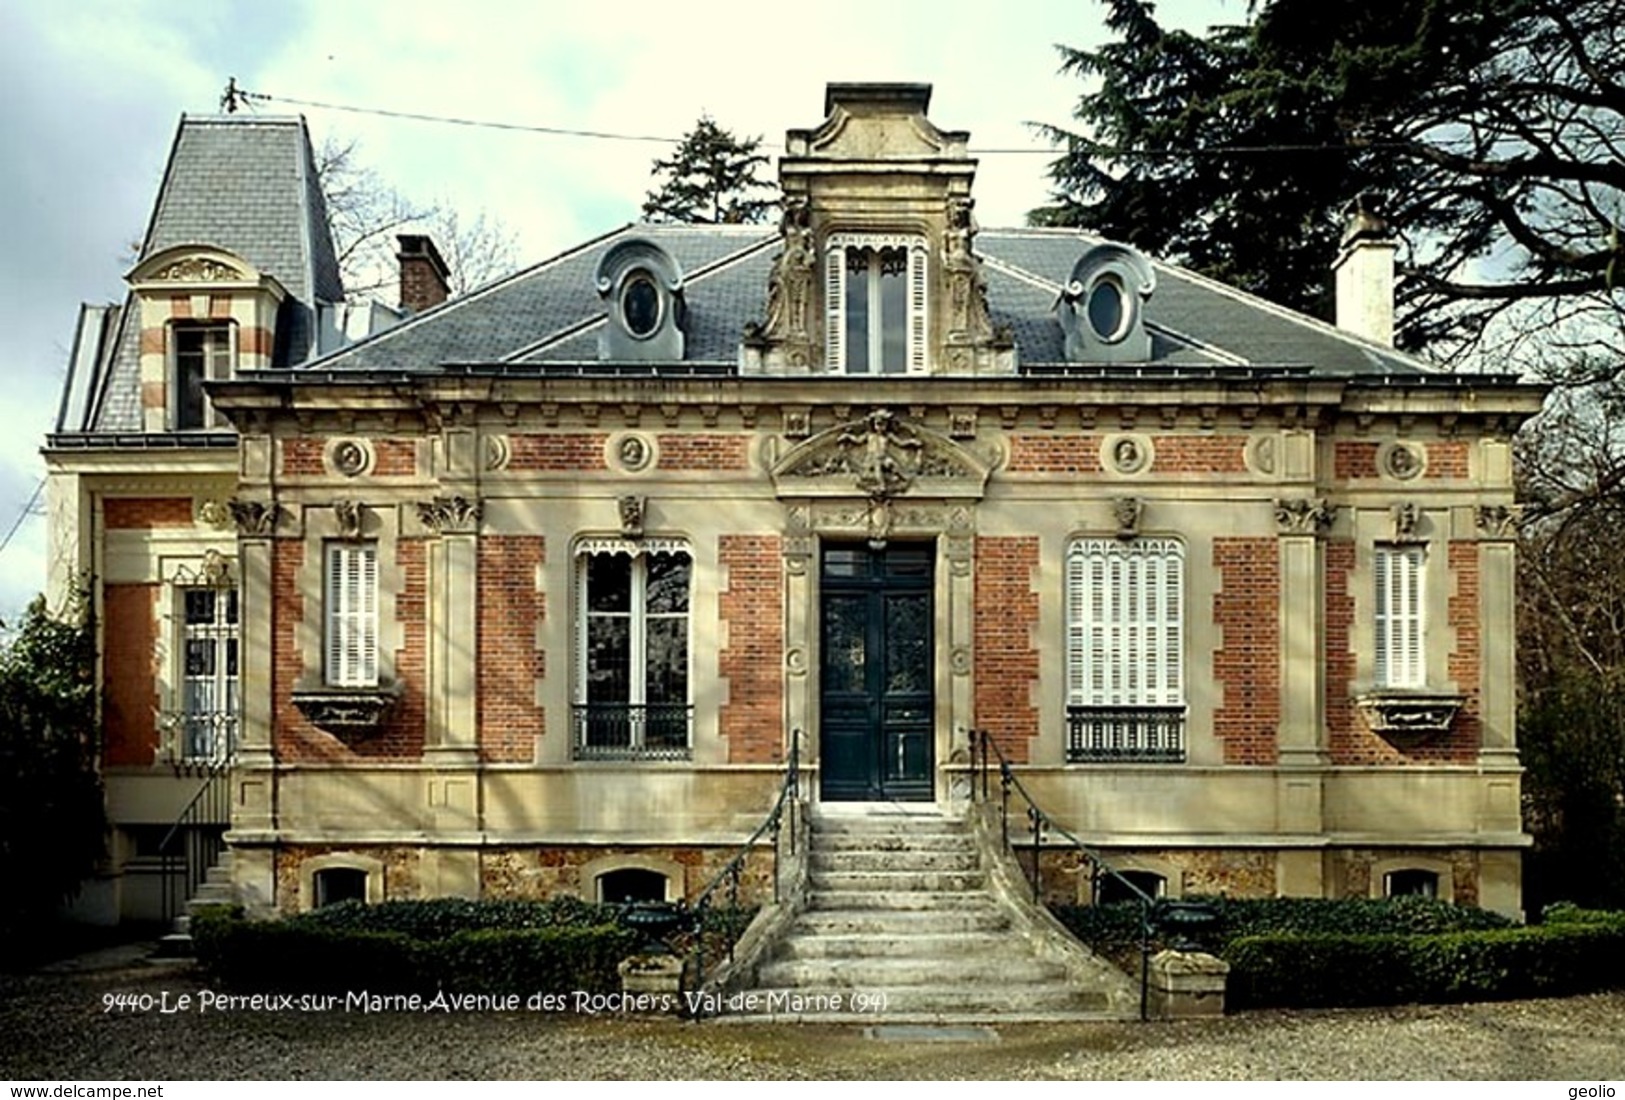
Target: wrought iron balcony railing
x=631 y=731
x=199 y=737
x=1112 y=735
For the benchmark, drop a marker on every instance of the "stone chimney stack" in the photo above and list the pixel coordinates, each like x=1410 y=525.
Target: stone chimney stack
x=1365 y=275
x=423 y=273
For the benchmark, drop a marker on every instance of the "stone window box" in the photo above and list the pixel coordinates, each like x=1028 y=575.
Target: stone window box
x=351 y=713
x=1409 y=718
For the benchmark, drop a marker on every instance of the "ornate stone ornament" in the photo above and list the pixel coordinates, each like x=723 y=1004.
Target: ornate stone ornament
x=632 y=510
x=1401 y=461
x=497 y=452
x=198 y=269
x=349 y=714
x=1127 y=511
x=1498 y=521
x=880 y=456
x=1406 y=516
x=254 y=517
x=1125 y=454
x=350 y=458
x=351 y=516
x=1304 y=516
x=214 y=513
x=450 y=515
x=1262 y=455
x=968 y=318
x=631 y=453
x=1407 y=719
x=216 y=569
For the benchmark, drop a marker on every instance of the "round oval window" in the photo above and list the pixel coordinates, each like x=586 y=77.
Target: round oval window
x=1107 y=310
x=640 y=306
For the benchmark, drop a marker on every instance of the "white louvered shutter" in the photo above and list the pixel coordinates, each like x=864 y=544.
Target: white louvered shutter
x=1397 y=572
x=352 y=614
x=1125 y=630
x=917 y=314
x=835 y=309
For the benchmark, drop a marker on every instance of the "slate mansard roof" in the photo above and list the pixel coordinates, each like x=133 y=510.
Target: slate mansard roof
x=244 y=184
x=549 y=316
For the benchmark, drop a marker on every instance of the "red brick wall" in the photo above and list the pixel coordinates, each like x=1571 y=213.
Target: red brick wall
x=557 y=452
x=295 y=738
x=702 y=452
x=1006 y=622
x=1345 y=729
x=751 y=606
x=1463 y=743
x=391 y=457
x=145 y=513
x=511 y=610
x=1198 y=454
x=130 y=669
x=1055 y=454
x=1247 y=664
x=1358 y=459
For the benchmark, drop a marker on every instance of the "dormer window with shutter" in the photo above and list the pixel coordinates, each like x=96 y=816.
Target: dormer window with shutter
x=875 y=295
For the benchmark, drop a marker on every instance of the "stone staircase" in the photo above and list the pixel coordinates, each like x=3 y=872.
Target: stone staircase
x=215 y=889
x=902 y=925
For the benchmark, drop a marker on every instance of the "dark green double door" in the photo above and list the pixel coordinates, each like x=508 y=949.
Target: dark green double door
x=876 y=705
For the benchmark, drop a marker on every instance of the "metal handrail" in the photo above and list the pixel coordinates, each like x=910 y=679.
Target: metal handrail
x=731 y=872
x=210 y=804
x=1040 y=823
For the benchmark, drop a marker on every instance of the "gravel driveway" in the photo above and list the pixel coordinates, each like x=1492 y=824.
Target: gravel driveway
x=54 y=1026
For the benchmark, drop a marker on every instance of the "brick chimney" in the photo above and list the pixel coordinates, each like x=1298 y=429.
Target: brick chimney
x=423 y=273
x=1365 y=275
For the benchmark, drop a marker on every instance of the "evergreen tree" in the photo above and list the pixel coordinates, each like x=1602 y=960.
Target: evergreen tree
x=1492 y=132
x=711 y=179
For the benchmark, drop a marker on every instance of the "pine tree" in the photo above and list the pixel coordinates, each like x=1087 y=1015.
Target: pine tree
x=711 y=179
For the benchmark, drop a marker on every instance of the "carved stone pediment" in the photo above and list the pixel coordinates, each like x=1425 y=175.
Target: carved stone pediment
x=879 y=457
x=350 y=714
x=1409 y=718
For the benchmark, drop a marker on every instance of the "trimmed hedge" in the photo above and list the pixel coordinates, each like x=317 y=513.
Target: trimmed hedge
x=415 y=947
x=1498 y=964
x=1116 y=927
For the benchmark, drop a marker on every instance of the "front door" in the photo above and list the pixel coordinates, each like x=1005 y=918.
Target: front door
x=876 y=704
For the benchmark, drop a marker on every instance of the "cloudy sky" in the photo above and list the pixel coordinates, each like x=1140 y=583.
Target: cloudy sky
x=92 y=91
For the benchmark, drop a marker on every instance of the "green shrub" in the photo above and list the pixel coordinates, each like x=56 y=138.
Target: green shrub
x=1296 y=970
x=408 y=947
x=1566 y=912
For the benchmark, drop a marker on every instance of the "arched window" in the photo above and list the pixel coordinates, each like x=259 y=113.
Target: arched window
x=336 y=884
x=631 y=884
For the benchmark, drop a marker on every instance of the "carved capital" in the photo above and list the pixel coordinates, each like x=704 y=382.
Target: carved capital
x=450 y=515
x=254 y=518
x=1498 y=521
x=1304 y=515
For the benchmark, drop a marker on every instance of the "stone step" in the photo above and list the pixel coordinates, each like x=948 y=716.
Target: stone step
x=870 y=972
x=937 y=1002
x=888 y=826
x=846 y=944
x=884 y=923
x=832 y=843
x=895 y=860
x=900 y=882
x=941 y=900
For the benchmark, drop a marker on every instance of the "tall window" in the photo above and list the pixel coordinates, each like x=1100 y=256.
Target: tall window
x=1125 y=663
x=202 y=353
x=1397 y=571
x=632 y=670
x=352 y=614
x=875 y=304
x=209 y=697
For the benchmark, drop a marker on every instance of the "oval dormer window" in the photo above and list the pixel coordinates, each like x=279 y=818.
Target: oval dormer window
x=1107 y=310
x=640 y=305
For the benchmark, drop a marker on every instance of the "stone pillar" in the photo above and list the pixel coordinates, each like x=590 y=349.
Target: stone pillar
x=253 y=778
x=1497 y=564
x=1301 y=741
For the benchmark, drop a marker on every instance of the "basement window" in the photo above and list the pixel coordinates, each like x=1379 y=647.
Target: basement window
x=336 y=884
x=631 y=884
x=1411 y=882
